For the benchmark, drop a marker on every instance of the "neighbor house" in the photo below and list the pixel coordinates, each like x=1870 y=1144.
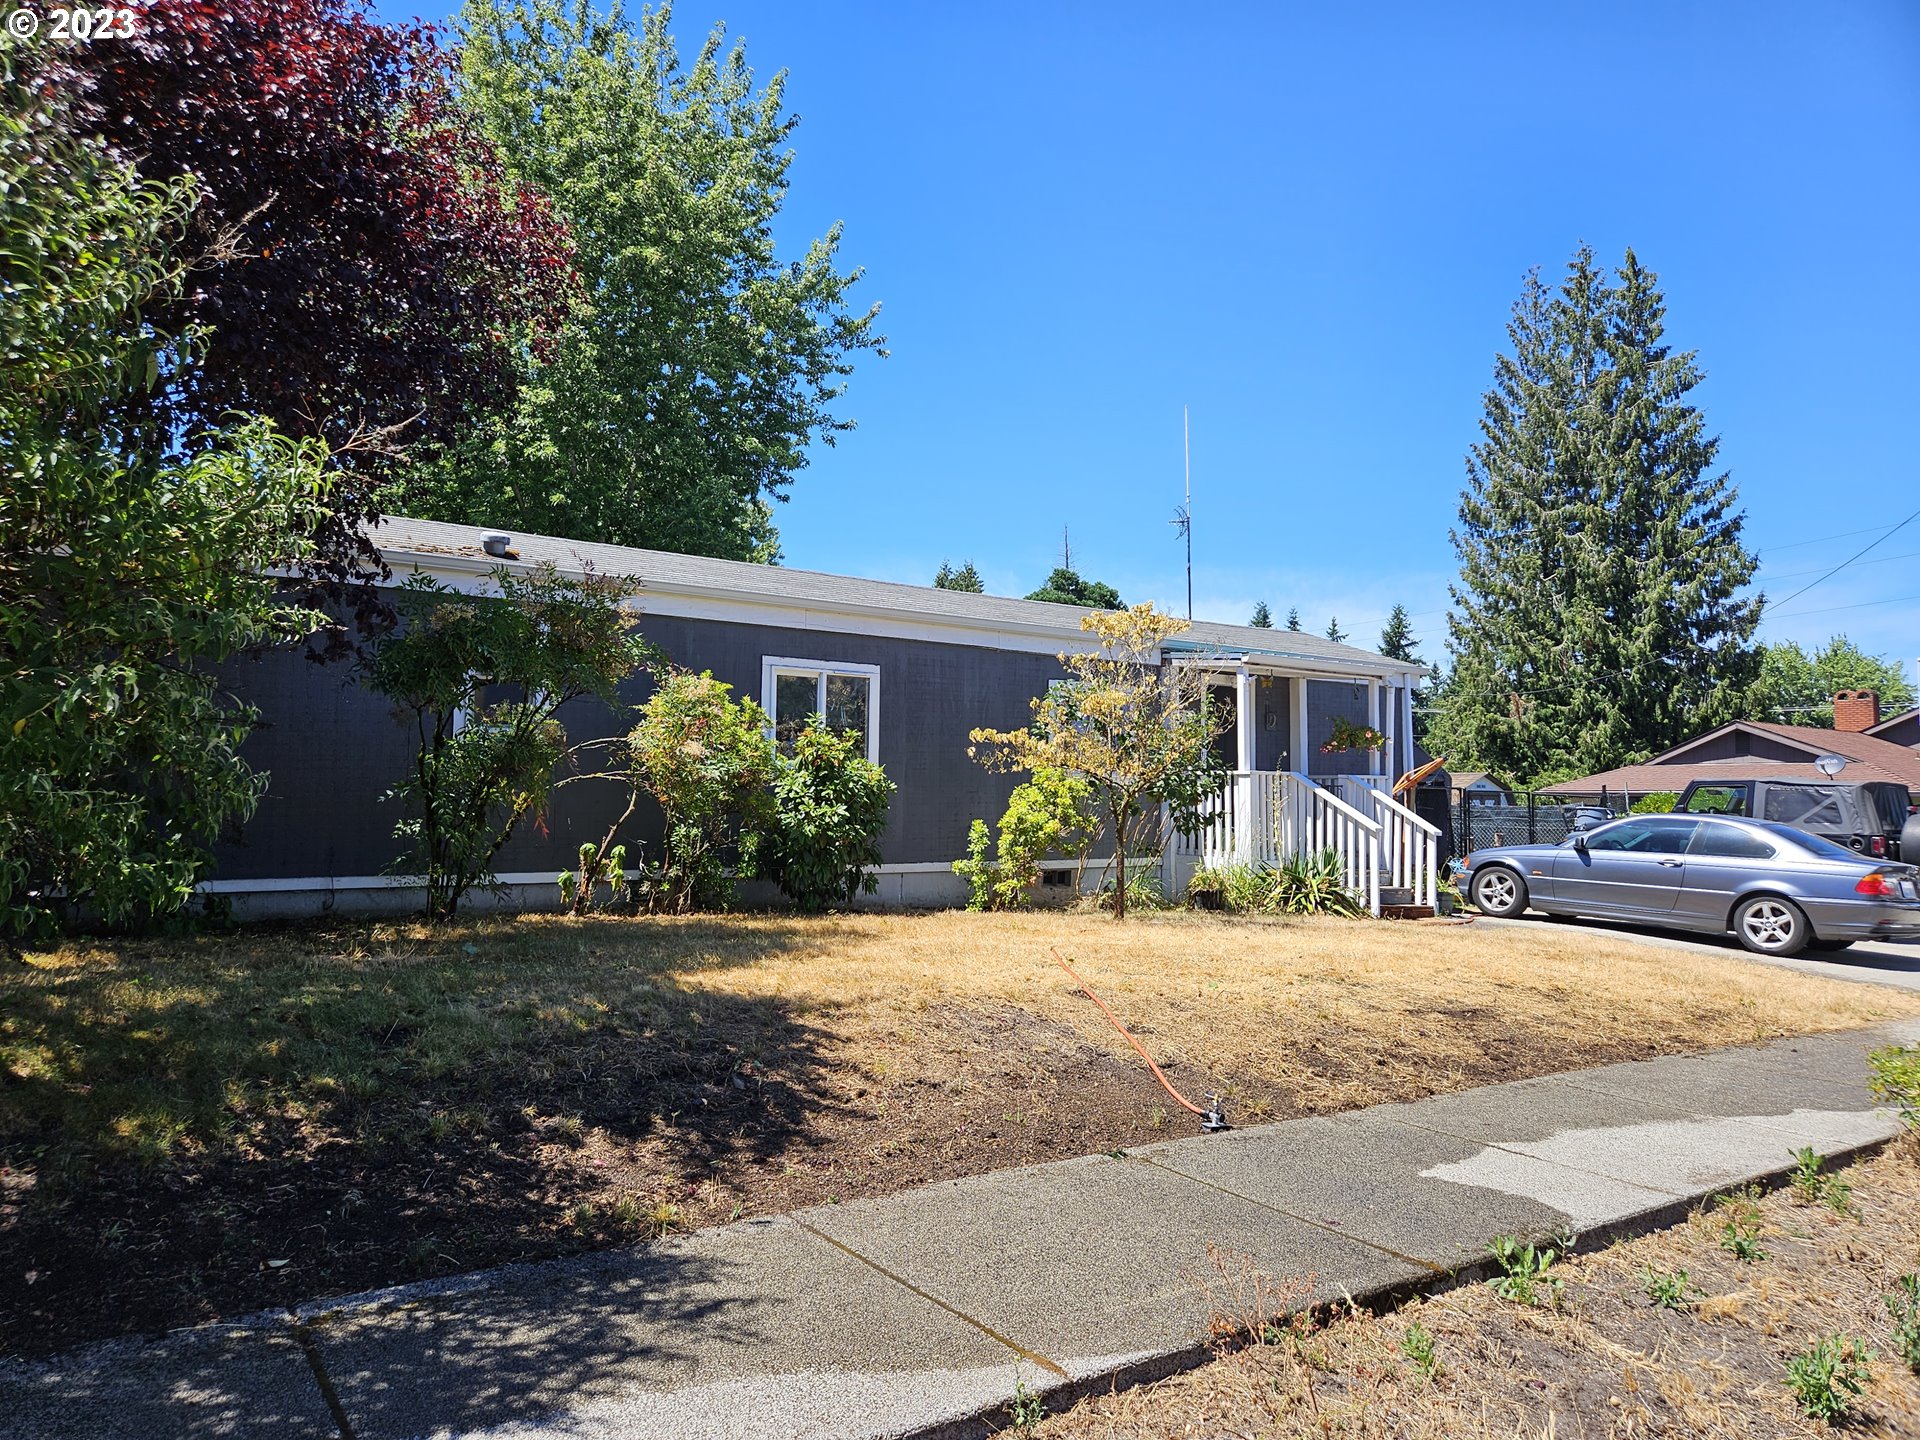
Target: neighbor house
x=1755 y=749
x=1901 y=729
x=1476 y=787
x=912 y=668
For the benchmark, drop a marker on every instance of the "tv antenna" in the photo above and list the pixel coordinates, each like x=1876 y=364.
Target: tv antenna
x=1183 y=517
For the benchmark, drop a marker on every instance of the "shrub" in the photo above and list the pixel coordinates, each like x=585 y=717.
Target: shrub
x=829 y=807
x=1525 y=1276
x=1660 y=802
x=1903 y=1308
x=1312 y=885
x=704 y=758
x=1896 y=1078
x=1045 y=815
x=484 y=762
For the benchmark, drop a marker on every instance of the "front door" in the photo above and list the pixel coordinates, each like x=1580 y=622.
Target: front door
x=1632 y=867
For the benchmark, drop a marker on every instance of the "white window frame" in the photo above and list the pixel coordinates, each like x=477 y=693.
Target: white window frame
x=774 y=666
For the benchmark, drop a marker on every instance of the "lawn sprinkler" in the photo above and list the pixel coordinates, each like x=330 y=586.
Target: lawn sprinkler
x=1211 y=1120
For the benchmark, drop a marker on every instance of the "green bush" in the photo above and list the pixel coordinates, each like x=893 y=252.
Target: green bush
x=1896 y=1078
x=1660 y=802
x=1045 y=815
x=829 y=807
x=1302 y=885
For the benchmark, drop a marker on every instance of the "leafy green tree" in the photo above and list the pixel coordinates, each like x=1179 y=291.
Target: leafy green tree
x=1599 y=615
x=1262 y=617
x=134 y=560
x=1396 y=639
x=1334 y=632
x=482 y=680
x=965 y=578
x=1134 y=732
x=1065 y=587
x=829 y=807
x=1293 y=619
x=706 y=760
x=1051 y=812
x=682 y=398
x=1797 y=688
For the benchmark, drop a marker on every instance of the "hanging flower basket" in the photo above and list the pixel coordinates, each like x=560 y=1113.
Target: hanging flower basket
x=1349 y=736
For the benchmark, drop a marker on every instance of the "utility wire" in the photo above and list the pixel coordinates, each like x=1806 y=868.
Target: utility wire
x=1844 y=563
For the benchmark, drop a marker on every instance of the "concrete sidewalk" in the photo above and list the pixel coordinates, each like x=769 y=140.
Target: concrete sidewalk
x=919 y=1313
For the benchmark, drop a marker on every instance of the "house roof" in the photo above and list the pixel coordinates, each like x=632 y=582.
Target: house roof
x=660 y=573
x=1892 y=720
x=1873 y=759
x=1467 y=779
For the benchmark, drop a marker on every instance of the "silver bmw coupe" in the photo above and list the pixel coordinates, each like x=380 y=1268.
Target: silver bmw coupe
x=1780 y=890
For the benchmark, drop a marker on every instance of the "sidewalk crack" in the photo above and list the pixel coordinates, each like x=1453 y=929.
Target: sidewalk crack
x=303 y=1337
x=1268 y=1205
x=992 y=1334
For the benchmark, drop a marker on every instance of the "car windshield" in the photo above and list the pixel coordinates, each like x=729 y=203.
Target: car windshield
x=1812 y=844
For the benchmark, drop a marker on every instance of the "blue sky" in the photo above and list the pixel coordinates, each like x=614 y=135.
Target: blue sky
x=1308 y=224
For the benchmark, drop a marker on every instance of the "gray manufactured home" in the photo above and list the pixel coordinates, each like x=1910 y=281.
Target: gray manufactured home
x=914 y=669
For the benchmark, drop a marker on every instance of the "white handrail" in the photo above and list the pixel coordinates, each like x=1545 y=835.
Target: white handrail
x=1411 y=849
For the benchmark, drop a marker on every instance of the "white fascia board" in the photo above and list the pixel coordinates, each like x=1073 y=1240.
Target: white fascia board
x=698 y=602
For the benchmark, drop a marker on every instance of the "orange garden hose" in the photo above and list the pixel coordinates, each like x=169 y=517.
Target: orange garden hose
x=1211 y=1119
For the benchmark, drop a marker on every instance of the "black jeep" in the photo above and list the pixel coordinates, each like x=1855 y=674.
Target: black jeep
x=1871 y=817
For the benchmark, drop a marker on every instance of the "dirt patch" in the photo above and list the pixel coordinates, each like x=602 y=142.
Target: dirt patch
x=1608 y=1361
x=206 y=1127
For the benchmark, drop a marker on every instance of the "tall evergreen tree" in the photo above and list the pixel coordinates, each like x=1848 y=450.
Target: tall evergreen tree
x=1598 y=617
x=1334 y=632
x=1262 y=617
x=965 y=578
x=1293 y=618
x=1396 y=640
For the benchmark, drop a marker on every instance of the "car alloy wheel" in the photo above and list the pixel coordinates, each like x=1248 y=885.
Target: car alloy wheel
x=1771 y=926
x=1499 y=892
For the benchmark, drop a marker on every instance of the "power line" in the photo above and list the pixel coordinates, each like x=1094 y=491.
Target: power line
x=1863 y=605
x=1844 y=563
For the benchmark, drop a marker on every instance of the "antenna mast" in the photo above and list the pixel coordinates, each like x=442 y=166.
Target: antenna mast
x=1183 y=517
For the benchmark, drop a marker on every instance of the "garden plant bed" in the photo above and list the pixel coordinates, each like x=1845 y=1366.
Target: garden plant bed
x=1607 y=1362
x=207 y=1125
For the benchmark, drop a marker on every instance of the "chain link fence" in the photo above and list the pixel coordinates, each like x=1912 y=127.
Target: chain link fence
x=1529 y=820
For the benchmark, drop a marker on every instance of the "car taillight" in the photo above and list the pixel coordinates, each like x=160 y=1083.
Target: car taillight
x=1876 y=885
x=1878 y=844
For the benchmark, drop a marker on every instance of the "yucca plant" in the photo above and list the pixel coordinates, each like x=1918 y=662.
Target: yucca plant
x=1312 y=885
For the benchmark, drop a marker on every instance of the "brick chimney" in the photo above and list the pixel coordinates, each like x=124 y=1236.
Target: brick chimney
x=1855 y=710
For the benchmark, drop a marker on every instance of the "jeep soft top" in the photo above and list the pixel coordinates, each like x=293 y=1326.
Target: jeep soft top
x=1869 y=817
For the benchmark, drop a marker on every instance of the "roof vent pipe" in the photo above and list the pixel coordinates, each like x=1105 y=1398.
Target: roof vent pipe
x=496 y=545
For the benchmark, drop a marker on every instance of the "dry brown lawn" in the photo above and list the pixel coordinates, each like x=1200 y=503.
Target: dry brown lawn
x=197 y=1126
x=1606 y=1364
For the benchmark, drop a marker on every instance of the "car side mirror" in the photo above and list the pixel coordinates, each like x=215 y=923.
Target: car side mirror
x=1579 y=841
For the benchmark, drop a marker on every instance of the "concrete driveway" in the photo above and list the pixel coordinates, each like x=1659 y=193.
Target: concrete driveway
x=1874 y=962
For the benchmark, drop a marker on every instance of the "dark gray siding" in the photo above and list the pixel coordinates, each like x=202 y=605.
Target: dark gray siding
x=1907 y=732
x=1328 y=700
x=332 y=749
x=1742 y=744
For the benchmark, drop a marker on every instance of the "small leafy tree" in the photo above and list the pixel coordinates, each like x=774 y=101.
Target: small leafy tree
x=1136 y=731
x=1049 y=813
x=706 y=761
x=1066 y=586
x=829 y=807
x=482 y=679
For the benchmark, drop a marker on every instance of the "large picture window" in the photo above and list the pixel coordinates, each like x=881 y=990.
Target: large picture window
x=848 y=695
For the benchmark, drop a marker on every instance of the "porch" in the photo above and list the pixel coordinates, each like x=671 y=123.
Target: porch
x=1286 y=796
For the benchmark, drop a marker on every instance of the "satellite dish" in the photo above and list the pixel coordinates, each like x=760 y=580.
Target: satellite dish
x=1830 y=765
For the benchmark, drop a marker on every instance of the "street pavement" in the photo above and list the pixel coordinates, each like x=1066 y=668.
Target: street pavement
x=1874 y=962
x=919 y=1314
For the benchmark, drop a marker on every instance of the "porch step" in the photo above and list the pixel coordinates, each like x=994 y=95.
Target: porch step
x=1396 y=895
x=1405 y=912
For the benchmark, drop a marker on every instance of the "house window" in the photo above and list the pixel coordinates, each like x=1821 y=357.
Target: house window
x=793 y=691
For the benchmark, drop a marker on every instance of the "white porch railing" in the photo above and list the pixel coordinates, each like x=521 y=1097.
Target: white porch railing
x=1263 y=817
x=1409 y=848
